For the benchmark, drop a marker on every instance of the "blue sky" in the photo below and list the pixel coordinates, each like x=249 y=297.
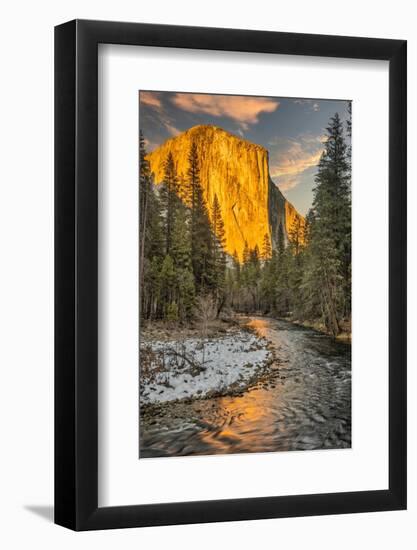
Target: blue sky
x=291 y=129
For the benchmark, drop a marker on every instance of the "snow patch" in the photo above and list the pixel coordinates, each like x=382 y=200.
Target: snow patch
x=192 y=367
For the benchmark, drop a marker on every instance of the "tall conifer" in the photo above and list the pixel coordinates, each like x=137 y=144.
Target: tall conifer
x=202 y=239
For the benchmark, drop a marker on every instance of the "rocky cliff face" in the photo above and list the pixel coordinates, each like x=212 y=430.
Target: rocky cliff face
x=237 y=171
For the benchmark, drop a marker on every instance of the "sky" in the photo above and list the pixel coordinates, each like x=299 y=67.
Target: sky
x=291 y=129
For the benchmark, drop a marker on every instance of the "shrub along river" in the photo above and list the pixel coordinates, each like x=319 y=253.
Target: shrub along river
x=304 y=402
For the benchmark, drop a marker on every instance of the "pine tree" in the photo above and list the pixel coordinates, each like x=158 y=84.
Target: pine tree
x=150 y=238
x=246 y=253
x=254 y=256
x=266 y=248
x=281 y=240
x=219 y=252
x=347 y=245
x=217 y=223
x=328 y=259
x=295 y=267
x=151 y=291
x=331 y=204
x=268 y=283
x=153 y=257
x=169 y=199
x=183 y=191
x=282 y=286
x=236 y=263
x=193 y=188
x=181 y=255
x=185 y=293
x=349 y=130
x=168 y=283
x=309 y=220
x=180 y=238
x=219 y=238
x=202 y=238
x=252 y=279
x=280 y=298
x=144 y=191
x=295 y=235
x=233 y=281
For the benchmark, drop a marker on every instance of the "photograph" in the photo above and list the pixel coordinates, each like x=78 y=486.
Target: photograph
x=244 y=274
x=208 y=233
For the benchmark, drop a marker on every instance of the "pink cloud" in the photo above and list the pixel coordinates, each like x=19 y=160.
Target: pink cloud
x=294 y=160
x=151 y=99
x=242 y=109
x=293 y=157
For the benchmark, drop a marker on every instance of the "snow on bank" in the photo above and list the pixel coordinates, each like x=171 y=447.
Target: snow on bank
x=177 y=370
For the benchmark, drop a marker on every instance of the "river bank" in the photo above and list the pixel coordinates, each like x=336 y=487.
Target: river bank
x=183 y=363
x=302 y=401
x=344 y=336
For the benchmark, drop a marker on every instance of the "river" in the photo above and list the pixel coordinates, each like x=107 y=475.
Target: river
x=303 y=404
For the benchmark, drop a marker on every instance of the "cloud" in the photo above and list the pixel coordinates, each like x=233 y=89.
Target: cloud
x=151 y=99
x=287 y=182
x=296 y=162
x=173 y=130
x=315 y=106
x=290 y=158
x=243 y=110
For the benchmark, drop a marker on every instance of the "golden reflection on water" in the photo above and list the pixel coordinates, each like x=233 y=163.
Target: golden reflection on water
x=248 y=416
x=260 y=325
x=245 y=419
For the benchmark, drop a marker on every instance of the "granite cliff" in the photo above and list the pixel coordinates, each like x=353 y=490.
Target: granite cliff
x=238 y=172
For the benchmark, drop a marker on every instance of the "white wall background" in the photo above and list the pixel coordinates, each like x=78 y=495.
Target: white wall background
x=26 y=288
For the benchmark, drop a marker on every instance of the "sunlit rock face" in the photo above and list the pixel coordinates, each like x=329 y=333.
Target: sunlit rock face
x=238 y=172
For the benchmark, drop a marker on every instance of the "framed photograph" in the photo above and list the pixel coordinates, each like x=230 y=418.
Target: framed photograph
x=230 y=254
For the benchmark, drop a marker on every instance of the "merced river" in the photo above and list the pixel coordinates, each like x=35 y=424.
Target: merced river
x=303 y=404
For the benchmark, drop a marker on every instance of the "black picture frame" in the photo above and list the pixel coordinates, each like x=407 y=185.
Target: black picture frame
x=76 y=273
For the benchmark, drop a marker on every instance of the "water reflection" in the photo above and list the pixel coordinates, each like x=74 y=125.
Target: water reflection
x=304 y=403
x=260 y=324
